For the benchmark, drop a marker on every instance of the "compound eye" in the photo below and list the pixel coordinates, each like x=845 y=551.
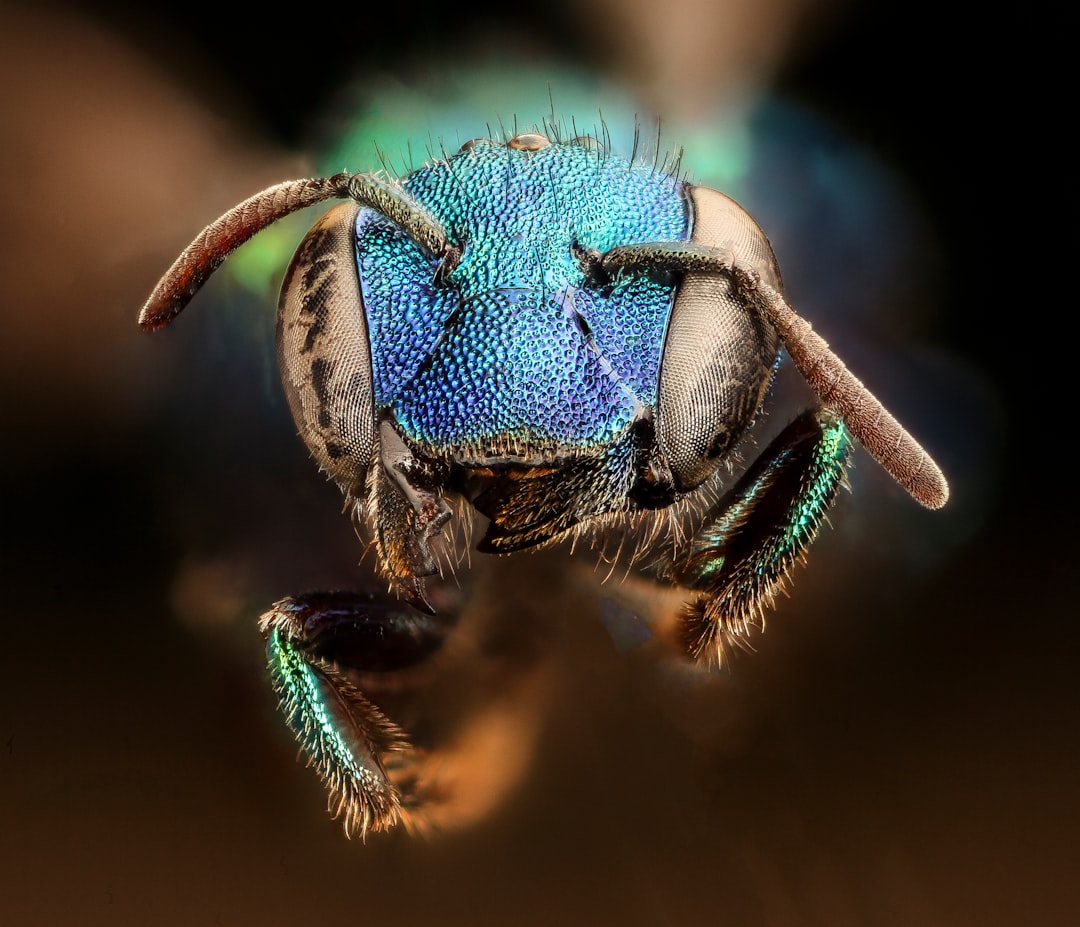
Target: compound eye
x=324 y=354
x=718 y=356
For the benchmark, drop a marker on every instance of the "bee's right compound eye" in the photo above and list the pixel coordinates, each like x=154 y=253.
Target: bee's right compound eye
x=323 y=350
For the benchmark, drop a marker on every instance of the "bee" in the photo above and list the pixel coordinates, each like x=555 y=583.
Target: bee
x=526 y=341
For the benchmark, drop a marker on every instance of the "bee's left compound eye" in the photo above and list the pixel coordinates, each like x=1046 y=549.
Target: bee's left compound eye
x=718 y=356
x=324 y=353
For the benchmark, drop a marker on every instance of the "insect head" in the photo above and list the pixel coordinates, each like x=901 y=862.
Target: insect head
x=557 y=343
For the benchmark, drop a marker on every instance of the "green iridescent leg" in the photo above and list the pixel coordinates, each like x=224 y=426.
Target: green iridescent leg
x=742 y=556
x=317 y=647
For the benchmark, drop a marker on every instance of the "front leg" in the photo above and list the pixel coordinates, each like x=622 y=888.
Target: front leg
x=747 y=547
x=317 y=647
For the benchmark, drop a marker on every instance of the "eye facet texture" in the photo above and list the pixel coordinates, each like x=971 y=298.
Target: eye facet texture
x=323 y=351
x=718 y=355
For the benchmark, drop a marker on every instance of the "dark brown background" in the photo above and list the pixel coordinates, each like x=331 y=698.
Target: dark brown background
x=901 y=750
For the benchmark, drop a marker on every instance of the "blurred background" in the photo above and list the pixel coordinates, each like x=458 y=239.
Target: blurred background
x=901 y=749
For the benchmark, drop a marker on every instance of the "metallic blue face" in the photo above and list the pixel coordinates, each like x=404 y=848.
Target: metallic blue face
x=516 y=353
